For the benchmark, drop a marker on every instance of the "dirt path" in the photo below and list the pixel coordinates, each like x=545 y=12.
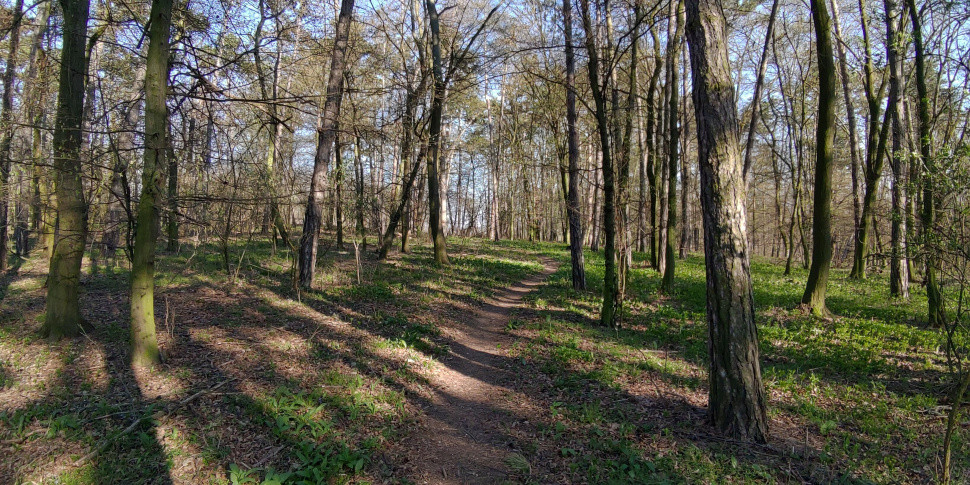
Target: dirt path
x=463 y=437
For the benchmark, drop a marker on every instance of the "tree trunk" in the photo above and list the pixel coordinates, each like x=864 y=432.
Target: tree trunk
x=850 y=119
x=173 y=192
x=338 y=186
x=673 y=148
x=898 y=275
x=736 y=395
x=435 y=226
x=7 y=128
x=144 y=346
x=326 y=134
x=759 y=81
x=934 y=298
x=63 y=313
x=612 y=299
x=818 y=276
x=572 y=139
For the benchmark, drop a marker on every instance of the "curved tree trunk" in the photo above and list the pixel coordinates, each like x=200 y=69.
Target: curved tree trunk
x=818 y=275
x=326 y=134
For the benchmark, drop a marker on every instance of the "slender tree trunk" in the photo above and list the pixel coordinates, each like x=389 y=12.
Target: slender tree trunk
x=612 y=299
x=934 y=298
x=651 y=136
x=736 y=395
x=818 y=276
x=572 y=139
x=850 y=119
x=875 y=153
x=144 y=346
x=898 y=276
x=338 y=186
x=7 y=128
x=759 y=81
x=326 y=134
x=173 y=192
x=435 y=225
x=63 y=313
x=673 y=150
x=359 y=189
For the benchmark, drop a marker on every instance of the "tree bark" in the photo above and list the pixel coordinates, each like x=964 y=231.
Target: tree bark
x=326 y=134
x=818 y=275
x=673 y=148
x=435 y=226
x=144 y=346
x=736 y=395
x=612 y=299
x=572 y=138
x=7 y=128
x=898 y=274
x=934 y=298
x=63 y=313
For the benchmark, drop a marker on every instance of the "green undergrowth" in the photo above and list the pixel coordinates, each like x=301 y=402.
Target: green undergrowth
x=315 y=387
x=855 y=399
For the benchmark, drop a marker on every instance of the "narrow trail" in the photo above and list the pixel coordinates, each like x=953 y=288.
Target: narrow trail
x=463 y=438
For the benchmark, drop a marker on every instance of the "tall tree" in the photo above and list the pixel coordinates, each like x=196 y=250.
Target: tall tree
x=63 y=312
x=818 y=275
x=875 y=151
x=326 y=134
x=758 y=83
x=572 y=140
x=898 y=268
x=144 y=345
x=673 y=148
x=7 y=128
x=934 y=298
x=435 y=225
x=611 y=288
x=736 y=395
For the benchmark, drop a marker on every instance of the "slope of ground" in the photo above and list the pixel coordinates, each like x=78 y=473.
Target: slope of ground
x=401 y=372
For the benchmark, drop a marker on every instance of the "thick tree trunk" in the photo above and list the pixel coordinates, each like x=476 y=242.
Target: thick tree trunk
x=326 y=134
x=144 y=346
x=818 y=276
x=736 y=395
x=572 y=139
x=63 y=313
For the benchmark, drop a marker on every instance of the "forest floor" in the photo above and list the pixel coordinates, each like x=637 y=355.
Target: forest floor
x=491 y=369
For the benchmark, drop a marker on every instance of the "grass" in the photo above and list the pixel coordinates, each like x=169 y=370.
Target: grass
x=855 y=399
x=324 y=386
x=315 y=387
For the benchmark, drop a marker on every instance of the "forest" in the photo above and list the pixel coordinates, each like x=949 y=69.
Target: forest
x=475 y=241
